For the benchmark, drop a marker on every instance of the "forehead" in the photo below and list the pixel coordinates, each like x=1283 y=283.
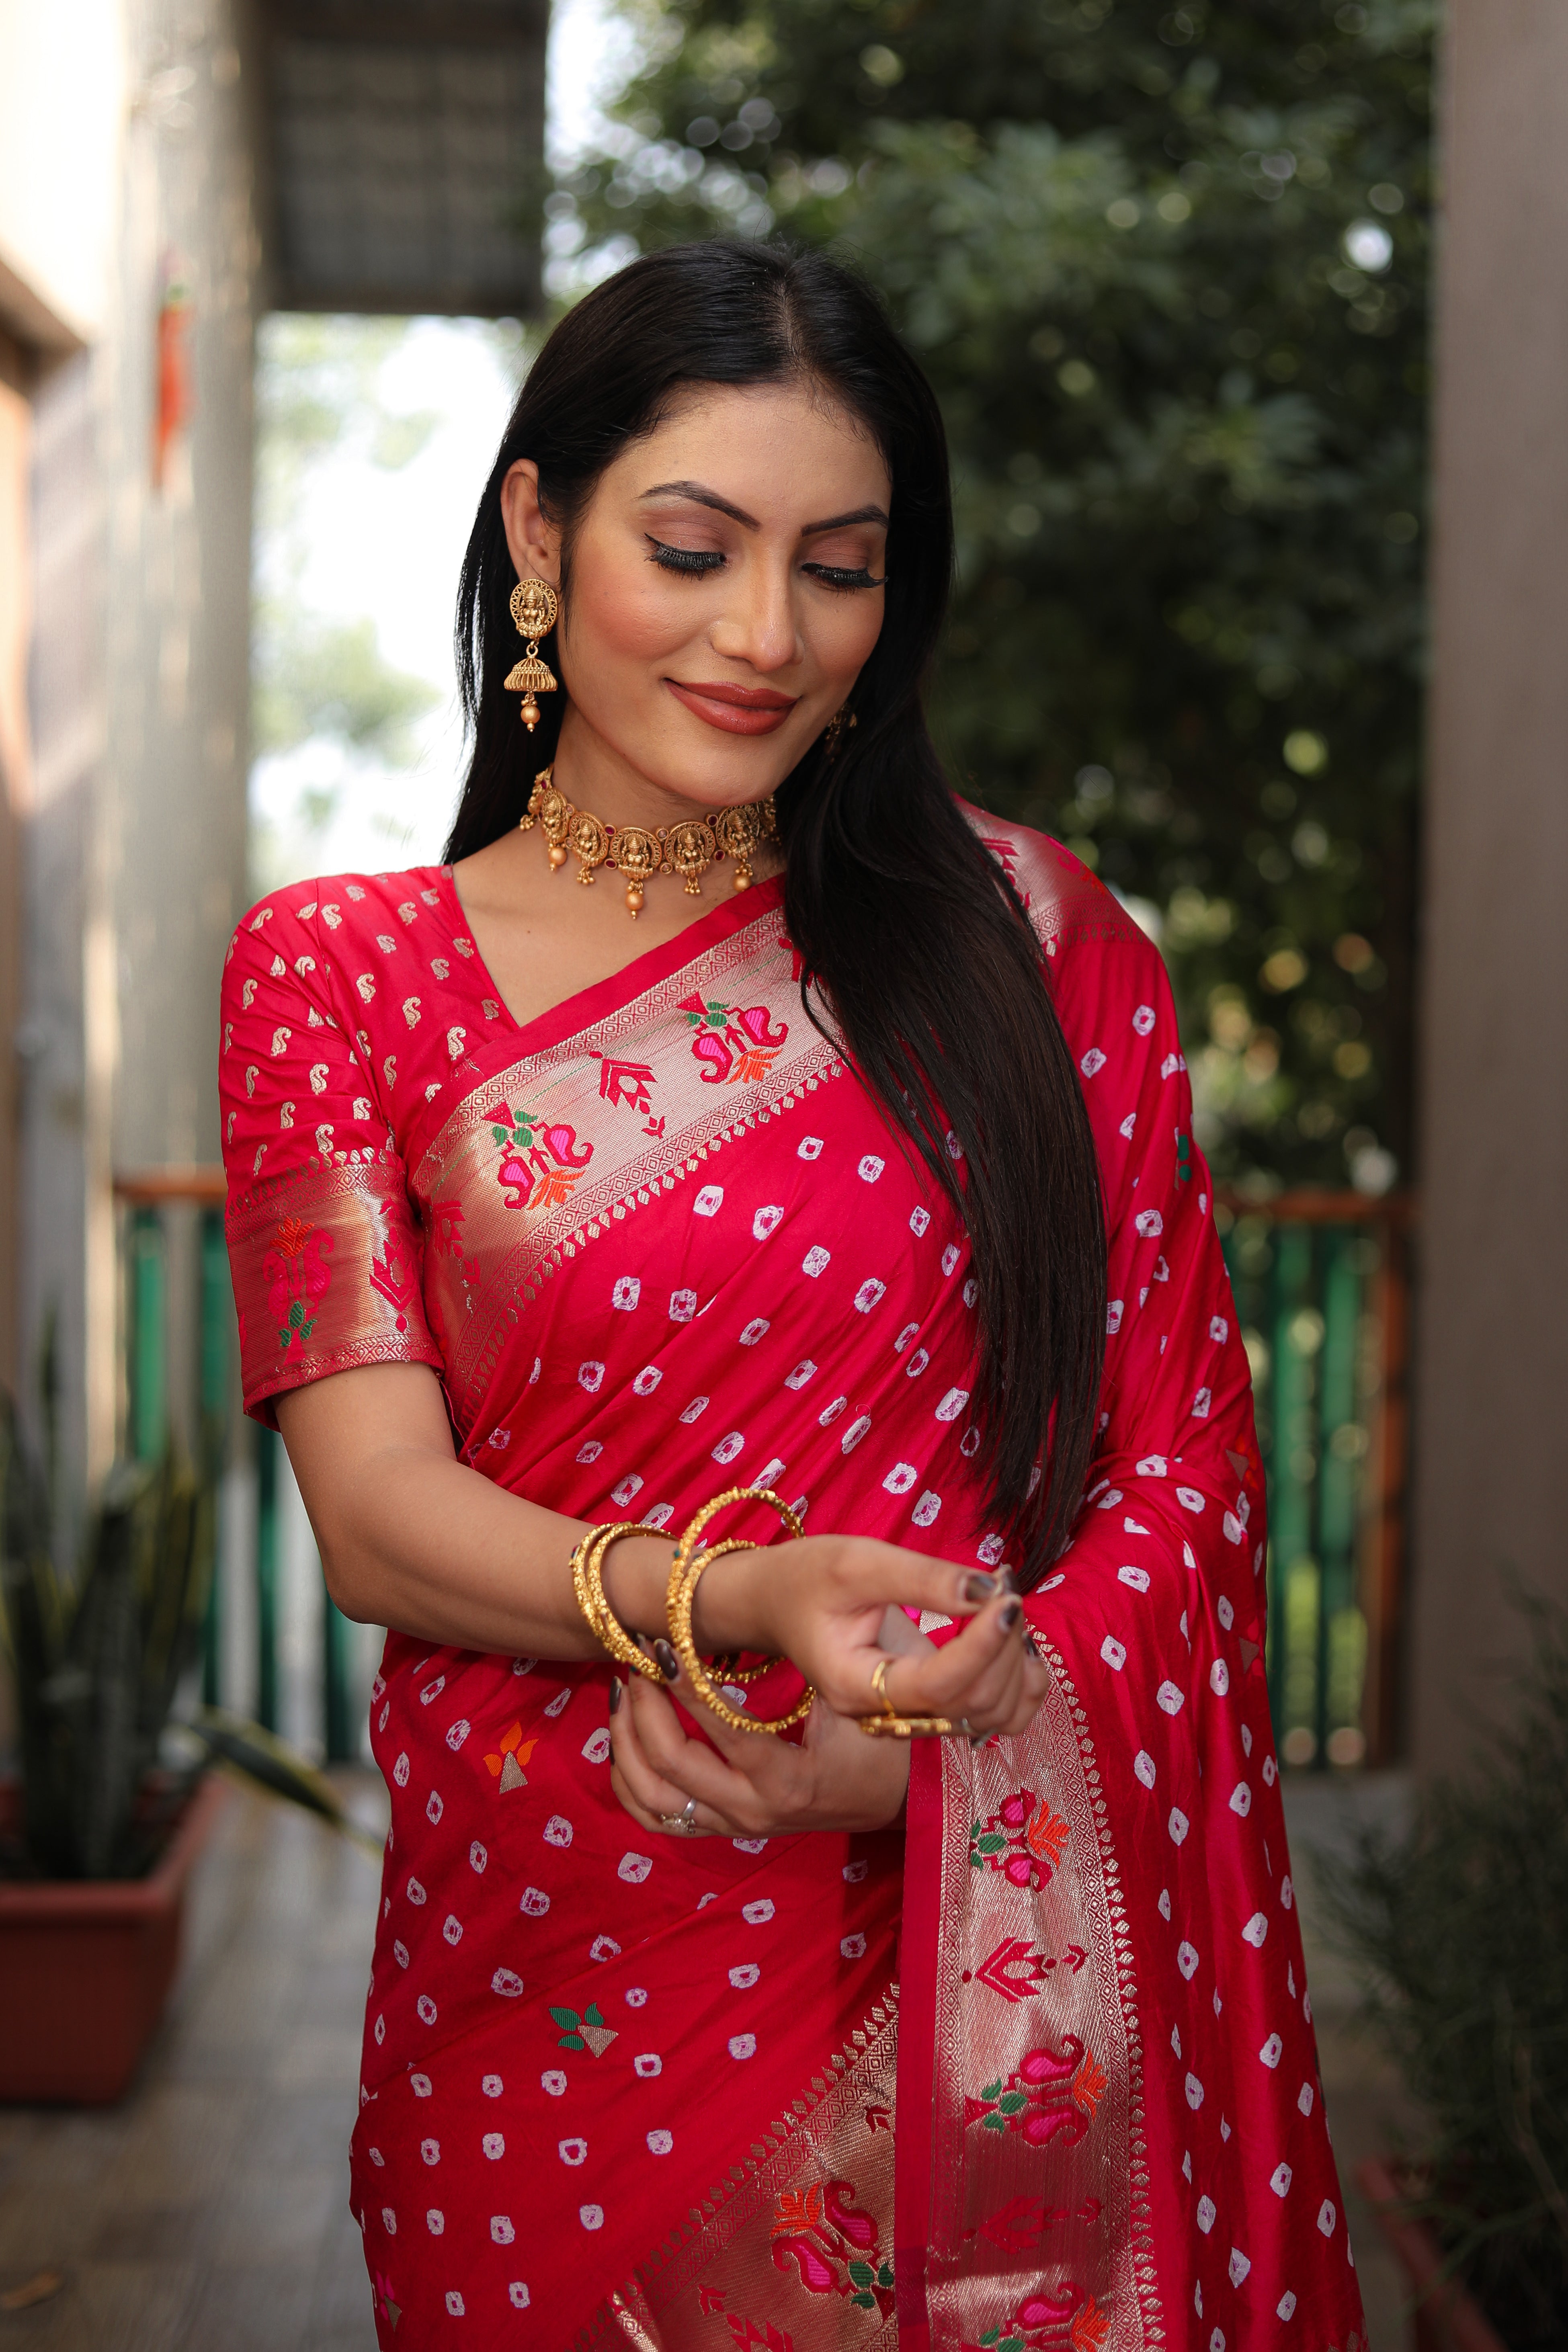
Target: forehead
x=766 y=447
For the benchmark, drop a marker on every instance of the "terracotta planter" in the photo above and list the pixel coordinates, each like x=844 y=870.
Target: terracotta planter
x=86 y=1967
x=1446 y=2318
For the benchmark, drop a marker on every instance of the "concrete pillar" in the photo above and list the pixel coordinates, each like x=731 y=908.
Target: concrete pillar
x=1492 y=1361
x=134 y=854
x=17 y=368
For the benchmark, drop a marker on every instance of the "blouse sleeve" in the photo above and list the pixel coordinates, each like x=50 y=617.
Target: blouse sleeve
x=324 y=1246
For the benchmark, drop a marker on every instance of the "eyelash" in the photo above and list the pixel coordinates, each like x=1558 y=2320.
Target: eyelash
x=696 y=562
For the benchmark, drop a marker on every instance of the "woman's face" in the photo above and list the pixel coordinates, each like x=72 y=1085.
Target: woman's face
x=726 y=589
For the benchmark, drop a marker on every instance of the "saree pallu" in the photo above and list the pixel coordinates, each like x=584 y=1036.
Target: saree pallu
x=1032 y=2070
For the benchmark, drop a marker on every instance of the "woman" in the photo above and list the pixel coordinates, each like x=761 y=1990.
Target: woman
x=870 y=1182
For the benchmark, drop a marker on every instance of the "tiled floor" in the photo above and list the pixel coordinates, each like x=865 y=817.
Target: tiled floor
x=209 y=2214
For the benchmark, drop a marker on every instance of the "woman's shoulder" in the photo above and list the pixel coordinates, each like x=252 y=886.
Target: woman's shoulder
x=339 y=921
x=334 y=902
x=1068 y=904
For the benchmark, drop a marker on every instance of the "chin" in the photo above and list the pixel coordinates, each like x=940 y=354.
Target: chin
x=699 y=762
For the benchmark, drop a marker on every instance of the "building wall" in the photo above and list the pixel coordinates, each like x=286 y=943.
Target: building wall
x=64 y=87
x=1492 y=1364
x=125 y=175
x=17 y=372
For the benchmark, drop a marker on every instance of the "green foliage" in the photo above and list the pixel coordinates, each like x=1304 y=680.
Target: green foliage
x=1167 y=269
x=318 y=391
x=98 y=1658
x=314 y=678
x=1461 y=1929
x=258 y=1755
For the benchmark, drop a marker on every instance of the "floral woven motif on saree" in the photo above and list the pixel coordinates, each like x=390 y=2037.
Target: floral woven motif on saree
x=1032 y=2070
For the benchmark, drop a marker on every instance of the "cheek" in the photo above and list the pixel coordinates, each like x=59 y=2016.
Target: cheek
x=629 y=614
x=844 y=632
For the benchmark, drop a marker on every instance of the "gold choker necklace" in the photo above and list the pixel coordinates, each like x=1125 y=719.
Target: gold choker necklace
x=635 y=851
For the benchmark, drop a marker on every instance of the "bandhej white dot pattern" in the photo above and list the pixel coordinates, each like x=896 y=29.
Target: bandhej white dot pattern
x=658 y=1241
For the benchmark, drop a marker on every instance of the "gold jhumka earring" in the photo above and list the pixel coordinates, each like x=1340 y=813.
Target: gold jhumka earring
x=534 y=606
x=832 y=733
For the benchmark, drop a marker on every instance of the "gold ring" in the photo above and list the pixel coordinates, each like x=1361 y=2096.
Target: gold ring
x=890 y=1724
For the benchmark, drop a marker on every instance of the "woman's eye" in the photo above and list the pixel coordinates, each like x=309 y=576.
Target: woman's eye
x=832 y=575
x=696 y=560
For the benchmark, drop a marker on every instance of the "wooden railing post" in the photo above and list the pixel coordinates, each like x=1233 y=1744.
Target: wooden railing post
x=1321 y=1286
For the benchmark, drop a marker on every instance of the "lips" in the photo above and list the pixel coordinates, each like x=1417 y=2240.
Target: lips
x=735 y=709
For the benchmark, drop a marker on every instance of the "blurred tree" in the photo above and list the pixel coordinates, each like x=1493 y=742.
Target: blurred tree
x=1167 y=268
x=312 y=680
x=318 y=386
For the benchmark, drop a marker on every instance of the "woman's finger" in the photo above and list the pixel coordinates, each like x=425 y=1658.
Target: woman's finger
x=665 y=1767
x=655 y=1787
x=867 y=1570
x=944 y=1682
x=704 y=1822
x=736 y=1784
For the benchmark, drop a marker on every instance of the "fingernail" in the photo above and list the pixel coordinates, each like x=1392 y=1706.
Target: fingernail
x=978 y=1587
x=1007 y=1580
x=616 y=1687
x=1010 y=1616
x=667 y=1663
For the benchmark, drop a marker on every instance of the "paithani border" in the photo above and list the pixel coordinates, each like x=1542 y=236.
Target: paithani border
x=549 y=1240
x=1065 y=908
x=623 y=1198
x=948 y=2308
x=316 y=1193
x=1141 y=2218
x=712 y=2224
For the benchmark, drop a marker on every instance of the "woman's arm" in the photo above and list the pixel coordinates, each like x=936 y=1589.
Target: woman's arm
x=410 y=1537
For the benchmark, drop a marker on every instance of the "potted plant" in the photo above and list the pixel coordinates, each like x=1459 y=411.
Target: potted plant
x=99 y=1836
x=1459 y=1930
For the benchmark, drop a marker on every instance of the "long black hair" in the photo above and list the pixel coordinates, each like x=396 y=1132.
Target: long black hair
x=917 y=951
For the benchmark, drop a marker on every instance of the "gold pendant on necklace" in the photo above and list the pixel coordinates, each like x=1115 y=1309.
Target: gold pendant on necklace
x=688 y=848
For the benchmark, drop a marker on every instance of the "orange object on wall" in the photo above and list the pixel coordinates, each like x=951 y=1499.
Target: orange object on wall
x=177 y=383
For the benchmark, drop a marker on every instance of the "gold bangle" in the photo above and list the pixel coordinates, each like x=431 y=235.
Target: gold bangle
x=684 y=1577
x=588 y=1584
x=890 y=1724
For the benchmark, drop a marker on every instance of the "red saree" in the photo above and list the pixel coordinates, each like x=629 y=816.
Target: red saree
x=1035 y=2073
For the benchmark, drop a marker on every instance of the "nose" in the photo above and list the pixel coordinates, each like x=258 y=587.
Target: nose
x=757 y=624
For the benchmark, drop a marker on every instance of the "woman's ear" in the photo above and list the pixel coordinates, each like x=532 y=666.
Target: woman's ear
x=533 y=542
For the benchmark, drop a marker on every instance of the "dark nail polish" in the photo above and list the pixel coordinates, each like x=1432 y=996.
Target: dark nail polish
x=616 y=1687
x=978 y=1587
x=1009 y=1619
x=667 y=1663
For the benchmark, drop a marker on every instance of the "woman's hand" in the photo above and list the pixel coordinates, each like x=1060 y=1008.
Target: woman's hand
x=838 y=1778
x=824 y=1603
x=753 y=1787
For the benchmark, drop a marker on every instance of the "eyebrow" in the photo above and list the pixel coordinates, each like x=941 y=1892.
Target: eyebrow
x=700 y=496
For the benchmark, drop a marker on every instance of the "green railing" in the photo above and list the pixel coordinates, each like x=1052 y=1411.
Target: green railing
x=1321 y=1284
x=1321 y=1288
x=180 y=1360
